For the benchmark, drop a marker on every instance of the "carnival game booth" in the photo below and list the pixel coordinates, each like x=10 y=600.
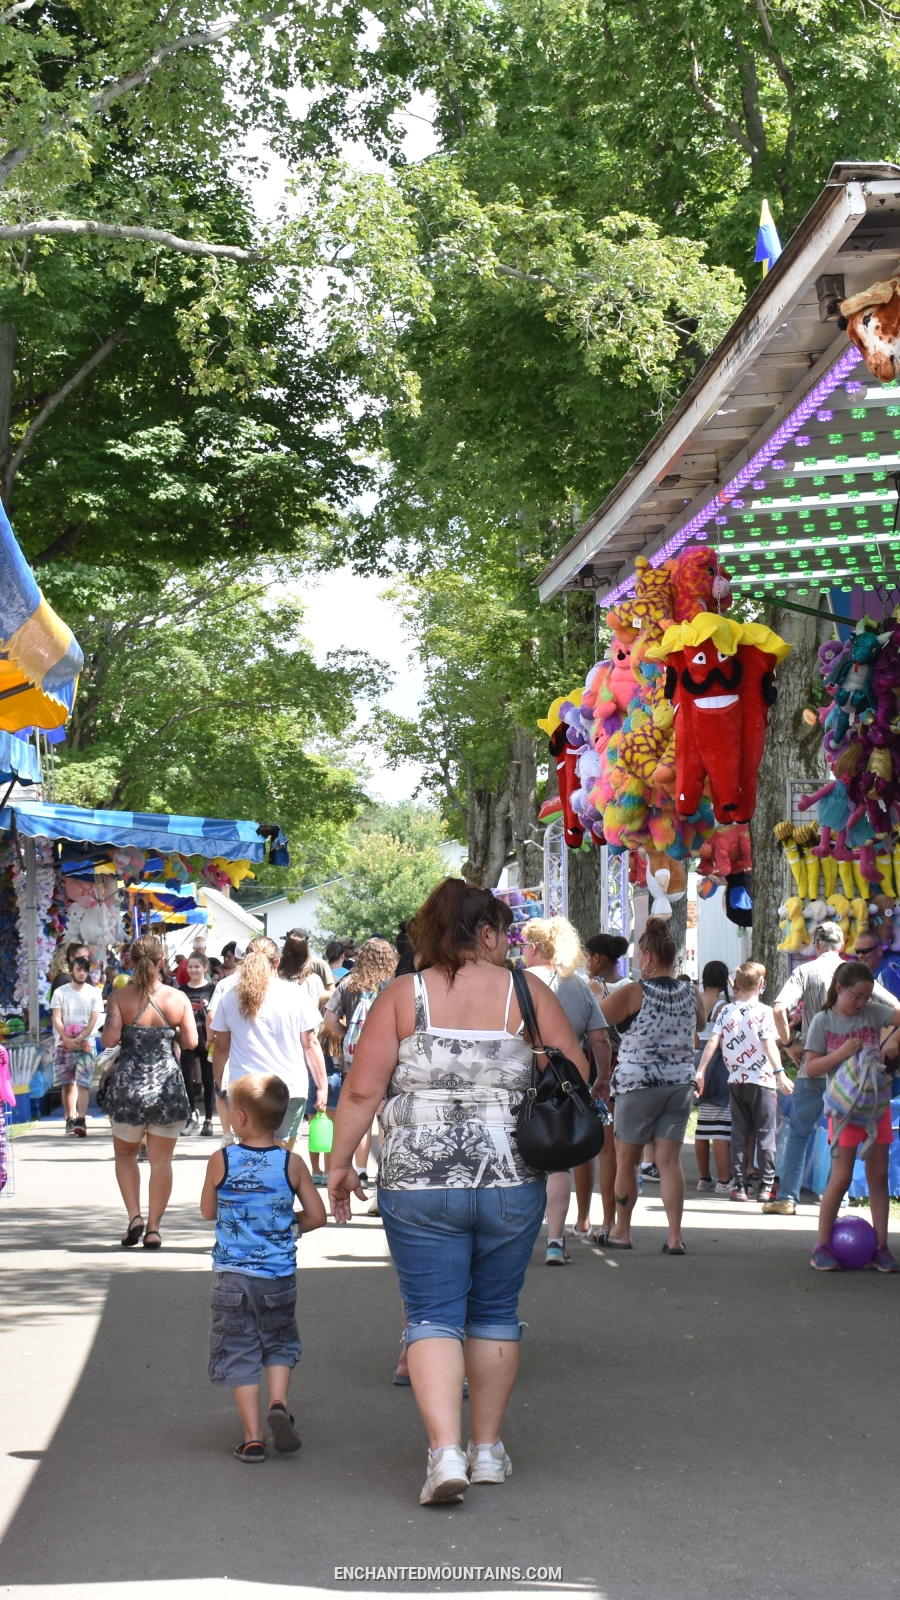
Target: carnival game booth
x=775 y=479
x=99 y=877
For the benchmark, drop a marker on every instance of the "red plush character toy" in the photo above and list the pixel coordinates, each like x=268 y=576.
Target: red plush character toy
x=565 y=756
x=721 y=681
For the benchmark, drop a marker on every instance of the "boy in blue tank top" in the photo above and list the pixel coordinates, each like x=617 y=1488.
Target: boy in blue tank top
x=249 y=1192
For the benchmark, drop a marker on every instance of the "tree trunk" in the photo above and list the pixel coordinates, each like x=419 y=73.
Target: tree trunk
x=7 y=368
x=488 y=836
x=678 y=929
x=584 y=869
x=523 y=810
x=793 y=750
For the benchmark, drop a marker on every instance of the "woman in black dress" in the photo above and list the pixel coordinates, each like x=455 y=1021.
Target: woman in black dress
x=146 y=1093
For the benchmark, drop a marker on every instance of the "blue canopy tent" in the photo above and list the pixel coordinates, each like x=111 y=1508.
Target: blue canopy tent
x=189 y=836
x=18 y=759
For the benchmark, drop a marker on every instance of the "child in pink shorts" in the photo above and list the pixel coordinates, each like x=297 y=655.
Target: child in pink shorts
x=849 y=1020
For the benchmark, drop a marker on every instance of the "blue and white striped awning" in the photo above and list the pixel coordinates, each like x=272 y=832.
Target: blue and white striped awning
x=18 y=759
x=188 y=836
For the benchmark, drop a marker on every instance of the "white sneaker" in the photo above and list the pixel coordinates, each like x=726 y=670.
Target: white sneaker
x=488 y=1463
x=447 y=1477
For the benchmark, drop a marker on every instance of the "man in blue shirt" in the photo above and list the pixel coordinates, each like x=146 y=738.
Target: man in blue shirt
x=869 y=948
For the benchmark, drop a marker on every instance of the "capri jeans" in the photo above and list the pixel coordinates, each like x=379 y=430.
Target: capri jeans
x=461 y=1256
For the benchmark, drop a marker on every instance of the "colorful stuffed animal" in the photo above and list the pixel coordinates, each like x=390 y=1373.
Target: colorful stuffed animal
x=872 y=322
x=721 y=681
x=796 y=937
x=699 y=583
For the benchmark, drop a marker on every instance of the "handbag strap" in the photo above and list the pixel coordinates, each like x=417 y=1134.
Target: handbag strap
x=529 y=1015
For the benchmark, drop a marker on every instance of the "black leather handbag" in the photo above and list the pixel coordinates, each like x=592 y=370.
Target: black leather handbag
x=558 y=1124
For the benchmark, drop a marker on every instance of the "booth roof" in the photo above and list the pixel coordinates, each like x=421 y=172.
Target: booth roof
x=188 y=836
x=783 y=451
x=18 y=759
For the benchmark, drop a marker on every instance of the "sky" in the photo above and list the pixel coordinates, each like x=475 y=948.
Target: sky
x=345 y=611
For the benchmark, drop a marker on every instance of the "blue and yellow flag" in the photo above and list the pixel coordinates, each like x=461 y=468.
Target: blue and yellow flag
x=768 y=244
x=40 y=658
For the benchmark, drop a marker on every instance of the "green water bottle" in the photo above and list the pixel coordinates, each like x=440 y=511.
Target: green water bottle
x=321 y=1134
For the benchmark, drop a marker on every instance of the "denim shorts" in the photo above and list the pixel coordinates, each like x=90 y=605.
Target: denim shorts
x=252 y=1325
x=461 y=1255
x=334 y=1090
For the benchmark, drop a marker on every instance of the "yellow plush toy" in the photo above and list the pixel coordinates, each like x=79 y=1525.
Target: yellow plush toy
x=848 y=881
x=840 y=905
x=796 y=937
x=784 y=832
x=860 y=922
x=829 y=875
x=884 y=863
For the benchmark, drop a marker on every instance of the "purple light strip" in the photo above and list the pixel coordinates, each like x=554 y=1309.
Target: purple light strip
x=694 y=529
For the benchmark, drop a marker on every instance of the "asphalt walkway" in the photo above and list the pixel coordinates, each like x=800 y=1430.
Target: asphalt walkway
x=684 y=1428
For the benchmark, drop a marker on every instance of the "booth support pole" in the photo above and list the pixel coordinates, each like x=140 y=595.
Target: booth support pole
x=31 y=939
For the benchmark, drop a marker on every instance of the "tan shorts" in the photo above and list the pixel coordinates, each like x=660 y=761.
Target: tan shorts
x=129 y=1134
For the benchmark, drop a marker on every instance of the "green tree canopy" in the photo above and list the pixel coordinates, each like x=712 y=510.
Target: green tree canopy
x=201 y=697
x=386 y=875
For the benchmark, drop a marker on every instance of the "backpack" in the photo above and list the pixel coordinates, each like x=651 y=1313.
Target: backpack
x=355 y=1028
x=716 y=1090
x=858 y=1095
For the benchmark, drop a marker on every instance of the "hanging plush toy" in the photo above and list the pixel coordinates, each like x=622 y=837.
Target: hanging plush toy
x=699 y=583
x=872 y=323
x=721 y=680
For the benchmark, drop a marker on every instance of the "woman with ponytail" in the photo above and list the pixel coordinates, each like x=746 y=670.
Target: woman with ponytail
x=146 y=1093
x=268 y=1026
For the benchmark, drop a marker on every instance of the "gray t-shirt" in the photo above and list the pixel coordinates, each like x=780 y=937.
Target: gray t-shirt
x=810 y=983
x=828 y=1031
x=576 y=998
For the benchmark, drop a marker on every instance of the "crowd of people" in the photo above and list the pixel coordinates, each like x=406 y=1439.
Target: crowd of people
x=423 y=1043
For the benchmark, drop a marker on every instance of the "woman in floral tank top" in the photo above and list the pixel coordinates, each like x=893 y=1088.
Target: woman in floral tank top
x=442 y=1054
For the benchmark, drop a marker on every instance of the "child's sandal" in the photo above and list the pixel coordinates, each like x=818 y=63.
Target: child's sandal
x=251 y=1451
x=281 y=1424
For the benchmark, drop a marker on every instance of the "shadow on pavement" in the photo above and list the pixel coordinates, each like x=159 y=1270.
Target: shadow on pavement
x=683 y=1428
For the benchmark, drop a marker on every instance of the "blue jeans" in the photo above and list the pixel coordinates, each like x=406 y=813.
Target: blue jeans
x=461 y=1256
x=806 y=1108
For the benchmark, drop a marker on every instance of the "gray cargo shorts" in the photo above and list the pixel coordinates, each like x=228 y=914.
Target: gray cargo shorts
x=252 y=1325
x=662 y=1112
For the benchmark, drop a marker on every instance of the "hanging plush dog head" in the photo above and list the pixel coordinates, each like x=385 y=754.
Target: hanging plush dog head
x=872 y=322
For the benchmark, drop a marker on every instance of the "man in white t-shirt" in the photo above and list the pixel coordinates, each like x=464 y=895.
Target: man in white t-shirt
x=76 y=1009
x=280 y=1039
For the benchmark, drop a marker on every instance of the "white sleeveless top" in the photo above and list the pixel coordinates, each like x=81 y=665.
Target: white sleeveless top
x=449 y=1118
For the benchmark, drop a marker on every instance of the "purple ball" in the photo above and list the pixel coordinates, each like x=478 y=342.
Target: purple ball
x=853 y=1242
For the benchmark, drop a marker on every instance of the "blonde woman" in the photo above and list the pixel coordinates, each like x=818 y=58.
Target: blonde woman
x=267 y=1026
x=553 y=953
x=347 y=1009
x=146 y=1092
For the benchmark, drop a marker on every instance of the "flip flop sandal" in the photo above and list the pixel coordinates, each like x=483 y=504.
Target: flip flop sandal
x=147 y=1244
x=604 y=1242
x=251 y=1452
x=281 y=1426
x=678 y=1251
x=135 y=1230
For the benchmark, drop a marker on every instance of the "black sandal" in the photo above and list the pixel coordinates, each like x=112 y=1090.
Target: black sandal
x=134 y=1233
x=679 y=1250
x=147 y=1244
x=251 y=1451
x=281 y=1424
